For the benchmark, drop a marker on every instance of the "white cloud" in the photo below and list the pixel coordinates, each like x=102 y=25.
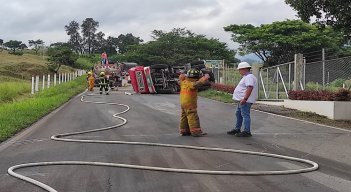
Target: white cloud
x=42 y=19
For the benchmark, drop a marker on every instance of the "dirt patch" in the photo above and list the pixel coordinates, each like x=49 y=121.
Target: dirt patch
x=313 y=117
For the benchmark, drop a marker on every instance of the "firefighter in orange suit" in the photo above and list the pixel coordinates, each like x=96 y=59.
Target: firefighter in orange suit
x=91 y=81
x=189 y=120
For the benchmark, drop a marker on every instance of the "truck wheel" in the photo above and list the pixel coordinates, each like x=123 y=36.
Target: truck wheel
x=192 y=64
x=199 y=66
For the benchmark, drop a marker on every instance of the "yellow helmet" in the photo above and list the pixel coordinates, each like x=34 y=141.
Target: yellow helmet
x=102 y=73
x=90 y=73
x=194 y=73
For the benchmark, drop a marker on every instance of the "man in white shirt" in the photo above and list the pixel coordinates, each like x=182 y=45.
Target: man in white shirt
x=245 y=94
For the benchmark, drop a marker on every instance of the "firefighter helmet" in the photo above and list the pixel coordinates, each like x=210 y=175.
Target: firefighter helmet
x=193 y=73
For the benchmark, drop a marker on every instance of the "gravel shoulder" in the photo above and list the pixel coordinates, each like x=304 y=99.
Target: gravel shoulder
x=313 y=117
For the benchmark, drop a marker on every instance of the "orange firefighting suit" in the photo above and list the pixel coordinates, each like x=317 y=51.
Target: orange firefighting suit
x=189 y=120
x=91 y=81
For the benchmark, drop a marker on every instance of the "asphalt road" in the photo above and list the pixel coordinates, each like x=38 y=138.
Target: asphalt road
x=155 y=118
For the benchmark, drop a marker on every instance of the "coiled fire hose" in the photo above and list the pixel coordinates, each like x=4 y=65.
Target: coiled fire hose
x=61 y=137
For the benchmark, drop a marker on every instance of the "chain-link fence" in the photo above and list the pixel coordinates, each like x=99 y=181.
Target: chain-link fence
x=329 y=74
x=275 y=82
x=229 y=76
x=332 y=75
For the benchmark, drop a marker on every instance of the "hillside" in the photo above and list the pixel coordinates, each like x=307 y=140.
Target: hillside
x=14 y=67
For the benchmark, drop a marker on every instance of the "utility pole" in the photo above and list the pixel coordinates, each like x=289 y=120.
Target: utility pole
x=42 y=49
x=323 y=64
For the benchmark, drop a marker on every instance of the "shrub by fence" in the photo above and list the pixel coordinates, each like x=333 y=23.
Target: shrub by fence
x=223 y=88
x=341 y=95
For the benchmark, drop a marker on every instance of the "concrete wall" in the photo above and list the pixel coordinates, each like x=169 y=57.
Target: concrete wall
x=336 y=110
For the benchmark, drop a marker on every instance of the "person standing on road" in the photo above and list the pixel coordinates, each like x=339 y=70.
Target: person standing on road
x=103 y=83
x=91 y=81
x=245 y=94
x=189 y=120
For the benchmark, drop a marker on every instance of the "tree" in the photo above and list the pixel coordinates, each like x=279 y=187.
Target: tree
x=178 y=46
x=61 y=44
x=36 y=45
x=123 y=41
x=99 y=42
x=277 y=43
x=14 y=45
x=89 y=27
x=333 y=13
x=75 y=40
x=60 y=55
x=1 y=43
x=111 y=45
x=23 y=46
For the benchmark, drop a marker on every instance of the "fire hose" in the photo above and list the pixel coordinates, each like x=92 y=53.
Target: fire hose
x=61 y=137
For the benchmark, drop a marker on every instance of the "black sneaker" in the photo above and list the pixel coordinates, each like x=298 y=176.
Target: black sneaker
x=233 y=131
x=243 y=134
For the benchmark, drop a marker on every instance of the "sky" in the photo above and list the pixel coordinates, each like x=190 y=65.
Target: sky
x=25 y=20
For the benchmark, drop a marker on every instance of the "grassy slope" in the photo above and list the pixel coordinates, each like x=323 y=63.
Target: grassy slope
x=23 y=67
x=18 y=108
x=16 y=73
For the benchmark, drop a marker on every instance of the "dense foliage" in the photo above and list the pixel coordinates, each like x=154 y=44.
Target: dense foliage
x=277 y=43
x=60 y=55
x=332 y=13
x=15 y=46
x=341 y=95
x=84 y=38
x=178 y=46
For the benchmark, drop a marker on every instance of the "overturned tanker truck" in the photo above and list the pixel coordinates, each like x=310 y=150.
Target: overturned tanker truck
x=162 y=78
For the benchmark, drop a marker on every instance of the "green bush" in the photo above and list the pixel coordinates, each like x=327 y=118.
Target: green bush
x=20 y=53
x=337 y=82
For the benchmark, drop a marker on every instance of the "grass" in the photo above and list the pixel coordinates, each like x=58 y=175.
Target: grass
x=217 y=95
x=18 y=115
x=13 y=89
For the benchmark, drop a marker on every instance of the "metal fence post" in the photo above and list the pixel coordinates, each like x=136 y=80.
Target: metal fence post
x=289 y=76
x=298 y=71
x=256 y=73
x=323 y=66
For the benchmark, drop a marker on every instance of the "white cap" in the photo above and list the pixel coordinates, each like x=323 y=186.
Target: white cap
x=243 y=65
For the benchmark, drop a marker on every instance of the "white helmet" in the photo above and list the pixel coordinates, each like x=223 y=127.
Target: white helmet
x=243 y=65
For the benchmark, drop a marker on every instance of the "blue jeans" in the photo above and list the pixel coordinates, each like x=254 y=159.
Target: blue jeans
x=242 y=114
